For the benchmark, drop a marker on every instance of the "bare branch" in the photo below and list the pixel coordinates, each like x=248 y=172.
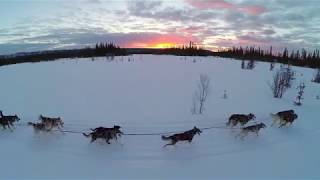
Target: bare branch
x=201 y=94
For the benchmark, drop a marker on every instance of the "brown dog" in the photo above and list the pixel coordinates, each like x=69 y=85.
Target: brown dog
x=51 y=122
x=185 y=136
x=284 y=117
x=38 y=127
x=243 y=119
x=115 y=131
x=104 y=133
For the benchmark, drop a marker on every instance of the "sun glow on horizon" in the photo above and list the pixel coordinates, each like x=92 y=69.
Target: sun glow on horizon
x=163 y=45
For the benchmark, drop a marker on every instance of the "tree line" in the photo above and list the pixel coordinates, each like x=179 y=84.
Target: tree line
x=186 y=50
x=296 y=58
x=101 y=49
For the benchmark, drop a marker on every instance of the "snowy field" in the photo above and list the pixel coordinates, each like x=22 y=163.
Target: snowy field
x=148 y=95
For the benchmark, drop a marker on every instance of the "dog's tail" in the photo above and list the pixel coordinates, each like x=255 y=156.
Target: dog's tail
x=31 y=124
x=165 y=137
x=228 y=123
x=274 y=116
x=86 y=135
x=230 y=120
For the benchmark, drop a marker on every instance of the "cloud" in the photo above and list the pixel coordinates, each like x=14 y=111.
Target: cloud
x=93 y=1
x=143 y=8
x=211 y=4
x=140 y=23
x=268 y=31
x=253 y=10
x=79 y=38
x=224 y=5
x=160 y=11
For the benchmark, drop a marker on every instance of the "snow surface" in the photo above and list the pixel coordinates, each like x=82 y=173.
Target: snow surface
x=148 y=95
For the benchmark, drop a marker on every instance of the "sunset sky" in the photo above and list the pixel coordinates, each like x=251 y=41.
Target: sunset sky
x=31 y=25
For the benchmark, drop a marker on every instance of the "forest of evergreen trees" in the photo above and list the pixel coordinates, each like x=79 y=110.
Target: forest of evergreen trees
x=101 y=49
x=296 y=58
x=186 y=50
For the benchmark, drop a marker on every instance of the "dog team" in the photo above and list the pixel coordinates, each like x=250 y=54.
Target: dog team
x=46 y=124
